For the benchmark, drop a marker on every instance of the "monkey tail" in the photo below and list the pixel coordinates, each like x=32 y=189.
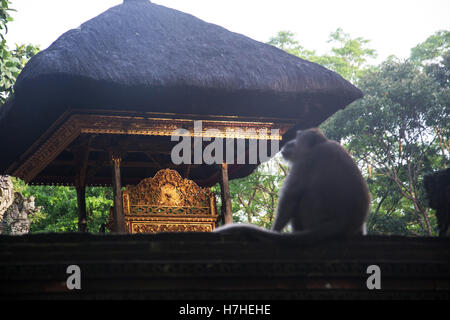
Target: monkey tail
x=328 y=230
x=331 y=229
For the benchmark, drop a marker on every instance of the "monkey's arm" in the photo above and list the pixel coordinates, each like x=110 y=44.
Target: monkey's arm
x=288 y=204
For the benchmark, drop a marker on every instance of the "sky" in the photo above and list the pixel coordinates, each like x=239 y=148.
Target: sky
x=392 y=26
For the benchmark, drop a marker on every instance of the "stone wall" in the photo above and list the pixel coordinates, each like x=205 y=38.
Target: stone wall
x=210 y=266
x=15 y=209
x=6 y=194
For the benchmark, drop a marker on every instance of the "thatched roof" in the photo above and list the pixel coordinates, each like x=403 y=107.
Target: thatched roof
x=144 y=57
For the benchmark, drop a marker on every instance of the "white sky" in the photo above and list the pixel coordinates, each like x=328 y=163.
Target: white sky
x=393 y=26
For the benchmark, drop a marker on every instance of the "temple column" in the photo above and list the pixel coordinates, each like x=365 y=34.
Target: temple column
x=227 y=214
x=81 y=155
x=119 y=220
x=82 y=215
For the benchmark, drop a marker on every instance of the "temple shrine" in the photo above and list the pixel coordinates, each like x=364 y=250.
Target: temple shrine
x=99 y=107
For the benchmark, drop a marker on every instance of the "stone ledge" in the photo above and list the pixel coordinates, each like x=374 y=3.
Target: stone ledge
x=214 y=266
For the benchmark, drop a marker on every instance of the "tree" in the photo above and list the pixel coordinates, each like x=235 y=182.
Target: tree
x=255 y=197
x=11 y=61
x=5 y=17
x=59 y=207
x=398 y=132
x=393 y=132
x=435 y=46
x=348 y=55
x=285 y=40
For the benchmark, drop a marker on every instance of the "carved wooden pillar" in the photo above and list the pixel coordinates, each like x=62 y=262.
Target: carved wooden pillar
x=81 y=154
x=227 y=214
x=187 y=171
x=119 y=220
x=81 y=201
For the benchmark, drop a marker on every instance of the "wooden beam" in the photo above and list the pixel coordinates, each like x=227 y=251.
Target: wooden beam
x=152 y=158
x=101 y=162
x=134 y=144
x=227 y=214
x=119 y=220
x=123 y=164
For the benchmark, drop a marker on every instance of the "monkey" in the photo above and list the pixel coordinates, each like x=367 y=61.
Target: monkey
x=324 y=194
x=437 y=186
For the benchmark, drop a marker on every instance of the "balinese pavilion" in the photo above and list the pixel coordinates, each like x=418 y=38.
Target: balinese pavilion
x=100 y=106
x=109 y=95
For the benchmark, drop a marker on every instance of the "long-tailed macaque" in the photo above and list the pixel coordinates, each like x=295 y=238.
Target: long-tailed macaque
x=324 y=194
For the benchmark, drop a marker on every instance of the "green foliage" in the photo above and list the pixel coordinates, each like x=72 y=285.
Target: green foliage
x=11 y=61
x=435 y=46
x=59 y=207
x=5 y=17
x=285 y=41
x=348 y=56
x=394 y=132
x=399 y=131
x=254 y=198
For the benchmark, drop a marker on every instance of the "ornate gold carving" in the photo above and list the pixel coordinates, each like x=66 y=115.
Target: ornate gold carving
x=168 y=189
x=165 y=127
x=166 y=210
x=126 y=202
x=35 y=160
x=168 y=203
x=168 y=227
x=48 y=151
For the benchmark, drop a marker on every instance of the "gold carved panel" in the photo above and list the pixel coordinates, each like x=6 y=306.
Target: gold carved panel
x=168 y=203
x=168 y=227
x=166 y=189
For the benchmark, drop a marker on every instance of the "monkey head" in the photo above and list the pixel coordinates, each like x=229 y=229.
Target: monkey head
x=304 y=141
x=288 y=151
